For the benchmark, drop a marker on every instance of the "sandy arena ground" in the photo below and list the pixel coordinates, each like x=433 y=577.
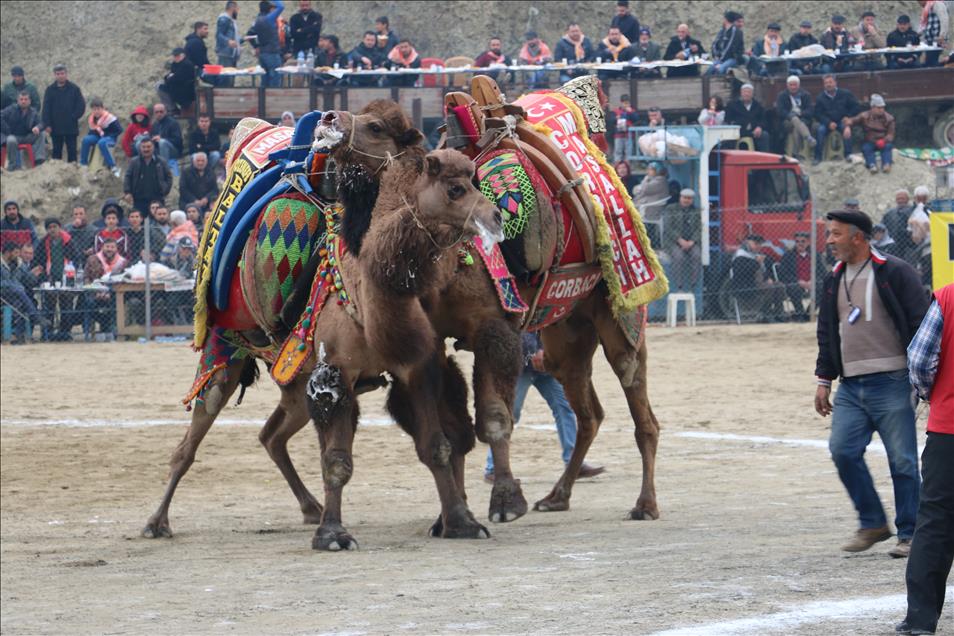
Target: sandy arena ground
x=752 y=511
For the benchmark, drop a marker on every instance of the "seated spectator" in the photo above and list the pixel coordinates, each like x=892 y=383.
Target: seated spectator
x=180 y=226
x=901 y=37
x=160 y=219
x=329 y=53
x=752 y=281
x=535 y=52
x=195 y=49
x=21 y=124
x=614 y=48
x=100 y=305
x=795 y=272
x=197 y=218
x=623 y=117
x=167 y=136
x=18 y=83
x=803 y=38
x=837 y=39
x=833 y=108
x=82 y=232
x=749 y=115
x=177 y=90
x=14 y=227
x=878 y=127
x=647 y=51
x=896 y=222
x=771 y=45
x=287 y=119
x=682 y=240
x=366 y=56
x=106 y=260
x=683 y=46
x=404 y=55
x=794 y=106
x=16 y=294
x=137 y=129
x=625 y=21
x=136 y=239
x=626 y=175
x=204 y=138
x=182 y=257
x=198 y=184
x=573 y=48
x=650 y=196
x=104 y=129
x=869 y=36
x=56 y=250
x=655 y=117
x=386 y=38
x=30 y=272
x=933 y=28
x=305 y=29
x=147 y=178
x=493 y=56
x=714 y=114
x=882 y=241
x=111 y=231
x=728 y=48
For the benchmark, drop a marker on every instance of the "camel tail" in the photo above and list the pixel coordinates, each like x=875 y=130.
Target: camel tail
x=248 y=377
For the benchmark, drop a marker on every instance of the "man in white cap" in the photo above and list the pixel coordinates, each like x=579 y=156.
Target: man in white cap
x=794 y=105
x=878 y=126
x=749 y=115
x=682 y=238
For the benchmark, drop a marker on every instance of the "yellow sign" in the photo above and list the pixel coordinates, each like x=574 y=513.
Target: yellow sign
x=942 y=248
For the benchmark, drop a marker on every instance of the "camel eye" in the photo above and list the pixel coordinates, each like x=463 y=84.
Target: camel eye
x=375 y=128
x=456 y=192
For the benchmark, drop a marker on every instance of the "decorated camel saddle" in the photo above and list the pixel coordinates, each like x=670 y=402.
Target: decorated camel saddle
x=544 y=155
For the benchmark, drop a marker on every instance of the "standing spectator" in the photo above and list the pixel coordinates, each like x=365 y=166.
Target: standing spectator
x=794 y=106
x=882 y=241
x=536 y=52
x=625 y=21
x=112 y=214
x=198 y=184
x=136 y=238
x=177 y=90
x=63 y=105
x=195 y=48
x=167 y=137
x=366 y=56
x=21 y=124
x=800 y=40
x=771 y=45
x=56 y=250
x=204 y=139
x=919 y=228
x=305 y=29
x=267 y=44
x=227 y=46
x=625 y=117
x=931 y=369
x=655 y=117
x=16 y=228
x=82 y=233
x=870 y=307
x=104 y=129
x=15 y=293
x=878 y=127
x=795 y=272
x=385 y=37
x=147 y=178
x=833 y=108
x=18 y=83
x=682 y=236
x=404 y=55
x=837 y=39
x=683 y=46
x=749 y=115
x=728 y=48
x=933 y=28
x=896 y=221
x=573 y=48
x=138 y=127
x=903 y=36
x=714 y=113
x=534 y=374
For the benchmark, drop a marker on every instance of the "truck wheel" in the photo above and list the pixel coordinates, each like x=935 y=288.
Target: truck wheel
x=944 y=130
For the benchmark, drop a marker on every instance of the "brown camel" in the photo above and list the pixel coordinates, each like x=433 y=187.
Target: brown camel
x=420 y=218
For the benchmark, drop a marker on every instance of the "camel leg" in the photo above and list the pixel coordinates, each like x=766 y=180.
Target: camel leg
x=417 y=411
x=203 y=415
x=569 y=348
x=289 y=417
x=629 y=365
x=497 y=364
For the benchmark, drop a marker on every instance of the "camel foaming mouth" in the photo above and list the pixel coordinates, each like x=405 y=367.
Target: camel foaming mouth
x=327 y=137
x=488 y=237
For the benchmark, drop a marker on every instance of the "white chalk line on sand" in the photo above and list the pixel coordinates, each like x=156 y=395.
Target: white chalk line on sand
x=875 y=445
x=807 y=614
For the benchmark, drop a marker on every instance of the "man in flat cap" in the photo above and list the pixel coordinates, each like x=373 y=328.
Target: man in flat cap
x=870 y=308
x=799 y=40
x=903 y=36
x=682 y=240
x=837 y=38
x=18 y=83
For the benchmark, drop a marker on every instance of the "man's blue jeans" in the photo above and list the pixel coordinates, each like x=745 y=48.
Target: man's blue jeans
x=103 y=143
x=869 y=150
x=552 y=391
x=821 y=133
x=270 y=62
x=721 y=68
x=864 y=404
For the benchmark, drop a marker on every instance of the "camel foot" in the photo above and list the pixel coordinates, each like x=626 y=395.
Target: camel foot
x=507 y=502
x=552 y=504
x=157 y=529
x=333 y=538
x=643 y=512
x=459 y=526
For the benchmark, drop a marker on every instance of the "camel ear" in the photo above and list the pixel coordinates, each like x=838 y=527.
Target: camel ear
x=411 y=137
x=433 y=165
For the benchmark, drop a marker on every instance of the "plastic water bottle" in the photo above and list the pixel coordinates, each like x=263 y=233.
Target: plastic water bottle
x=69 y=275
x=80 y=277
x=310 y=61
x=301 y=60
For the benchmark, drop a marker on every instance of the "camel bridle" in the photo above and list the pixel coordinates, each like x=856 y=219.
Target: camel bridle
x=386 y=161
x=420 y=224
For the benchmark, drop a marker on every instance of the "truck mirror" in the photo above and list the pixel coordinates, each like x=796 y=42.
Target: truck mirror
x=804 y=191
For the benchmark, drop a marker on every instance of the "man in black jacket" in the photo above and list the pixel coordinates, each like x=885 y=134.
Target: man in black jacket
x=901 y=37
x=63 y=105
x=625 y=21
x=195 y=49
x=870 y=308
x=20 y=124
x=147 y=177
x=794 y=106
x=749 y=115
x=305 y=29
x=728 y=49
x=197 y=184
x=799 y=40
x=832 y=107
x=167 y=136
x=683 y=46
x=177 y=89
x=204 y=138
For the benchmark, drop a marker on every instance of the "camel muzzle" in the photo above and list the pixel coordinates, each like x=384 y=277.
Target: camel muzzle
x=329 y=134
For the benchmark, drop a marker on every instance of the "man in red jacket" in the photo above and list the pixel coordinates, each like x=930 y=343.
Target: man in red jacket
x=931 y=366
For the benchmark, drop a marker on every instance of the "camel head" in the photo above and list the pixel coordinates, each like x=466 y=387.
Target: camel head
x=381 y=130
x=449 y=206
